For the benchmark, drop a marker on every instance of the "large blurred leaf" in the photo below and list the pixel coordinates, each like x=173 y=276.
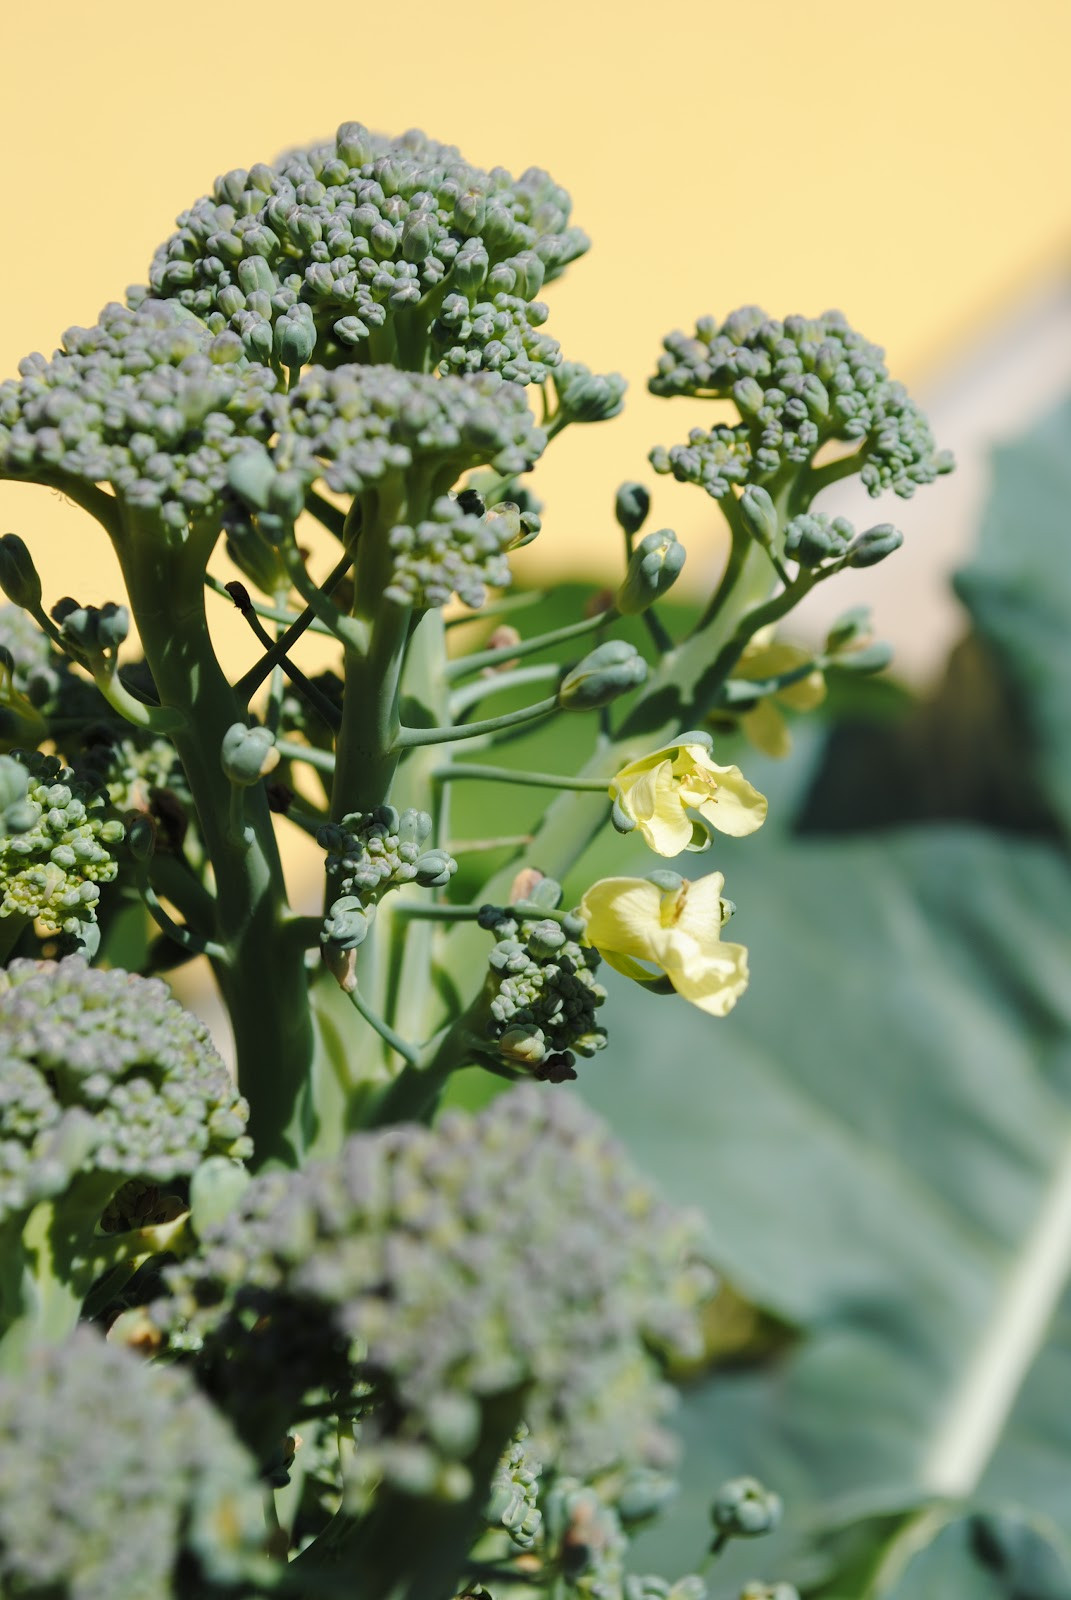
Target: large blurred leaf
x=1018 y=590
x=880 y=1136
x=976 y=1558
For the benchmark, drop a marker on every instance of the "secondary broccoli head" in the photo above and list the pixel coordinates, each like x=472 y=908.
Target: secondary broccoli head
x=148 y=402
x=797 y=384
x=511 y=1258
x=382 y=250
x=106 y=1078
x=57 y=845
x=118 y=1481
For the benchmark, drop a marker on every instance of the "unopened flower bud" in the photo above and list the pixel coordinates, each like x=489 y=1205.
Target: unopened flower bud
x=874 y=545
x=848 y=629
x=814 y=538
x=295 y=336
x=758 y=514
x=610 y=670
x=654 y=566
x=524 y=1044
x=248 y=753
x=434 y=869
x=631 y=506
x=586 y=396
x=215 y=1190
x=18 y=575
x=347 y=923
x=744 y=1509
x=749 y=397
x=251 y=474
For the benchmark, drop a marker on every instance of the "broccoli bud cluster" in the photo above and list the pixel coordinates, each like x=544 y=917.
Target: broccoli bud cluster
x=456 y=550
x=57 y=844
x=714 y=458
x=146 y=401
x=797 y=384
x=541 y=995
x=369 y=853
x=105 y=1077
x=515 y=1488
x=378 y=250
x=443 y=1266
x=118 y=1481
x=360 y=425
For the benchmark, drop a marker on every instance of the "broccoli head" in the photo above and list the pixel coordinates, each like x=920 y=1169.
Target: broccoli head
x=118 y=1481
x=509 y=1260
x=377 y=250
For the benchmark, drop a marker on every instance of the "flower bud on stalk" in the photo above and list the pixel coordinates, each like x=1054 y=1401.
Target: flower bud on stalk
x=611 y=669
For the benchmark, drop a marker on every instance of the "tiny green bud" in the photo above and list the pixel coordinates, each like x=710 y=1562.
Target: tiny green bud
x=849 y=627
x=610 y=670
x=254 y=273
x=524 y=1044
x=434 y=869
x=215 y=1190
x=251 y=474
x=141 y=836
x=875 y=658
x=874 y=545
x=813 y=538
x=347 y=923
x=758 y=514
x=749 y=397
x=744 y=1509
x=295 y=337
x=14 y=782
x=18 y=575
x=631 y=505
x=654 y=567
x=668 y=882
x=248 y=753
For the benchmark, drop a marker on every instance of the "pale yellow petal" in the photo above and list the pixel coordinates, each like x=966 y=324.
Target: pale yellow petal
x=666 y=827
x=622 y=915
x=723 y=796
x=767 y=730
x=696 y=909
x=718 y=984
x=806 y=694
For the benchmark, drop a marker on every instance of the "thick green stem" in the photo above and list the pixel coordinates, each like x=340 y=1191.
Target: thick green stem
x=262 y=983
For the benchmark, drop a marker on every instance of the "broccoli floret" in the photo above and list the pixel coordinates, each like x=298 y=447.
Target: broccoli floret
x=356 y=426
x=713 y=458
x=106 y=1080
x=368 y=242
x=435 y=1272
x=117 y=1057
x=118 y=1481
x=145 y=401
x=797 y=384
x=541 y=996
x=369 y=853
x=57 y=846
x=455 y=551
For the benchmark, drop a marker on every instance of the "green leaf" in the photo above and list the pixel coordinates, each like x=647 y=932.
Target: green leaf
x=880 y=1135
x=996 y=1557
x=1018 y=591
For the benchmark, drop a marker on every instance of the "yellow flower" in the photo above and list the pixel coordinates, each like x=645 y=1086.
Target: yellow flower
x=677 y=930
x=655 y=794
x=765 y=725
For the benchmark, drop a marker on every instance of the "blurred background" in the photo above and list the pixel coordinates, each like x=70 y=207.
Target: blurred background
x=880 y=1135
x=907 y=164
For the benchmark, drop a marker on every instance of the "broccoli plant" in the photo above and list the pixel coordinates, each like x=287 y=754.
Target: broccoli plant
x=359 y=1342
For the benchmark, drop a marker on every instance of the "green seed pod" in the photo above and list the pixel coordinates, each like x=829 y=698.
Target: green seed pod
x=18 y=575
x=653 y=568
x=610 y=670
x=874 y=545
x=744 y=1509
x=631 y=505
x=248 y=754
x=758 y=514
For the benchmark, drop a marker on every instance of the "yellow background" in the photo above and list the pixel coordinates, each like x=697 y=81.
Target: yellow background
x=908 y=163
